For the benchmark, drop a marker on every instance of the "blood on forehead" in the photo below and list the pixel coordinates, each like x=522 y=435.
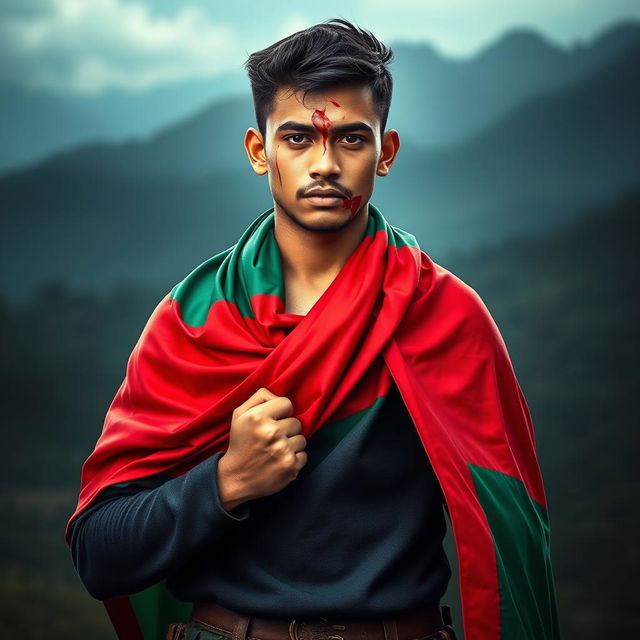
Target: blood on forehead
x=321 y=122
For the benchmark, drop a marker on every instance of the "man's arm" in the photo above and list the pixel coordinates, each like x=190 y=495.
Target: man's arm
x=123 y=544
x=136 y=534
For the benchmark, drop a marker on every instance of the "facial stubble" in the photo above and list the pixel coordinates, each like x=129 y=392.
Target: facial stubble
x=324 y=227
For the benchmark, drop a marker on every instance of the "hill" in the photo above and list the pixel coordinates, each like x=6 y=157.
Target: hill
x=565 y=302
x=457 y=97
x=95 y=222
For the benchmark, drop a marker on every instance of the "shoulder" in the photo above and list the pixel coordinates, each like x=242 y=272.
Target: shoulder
x=450 y=302
x=200 y=289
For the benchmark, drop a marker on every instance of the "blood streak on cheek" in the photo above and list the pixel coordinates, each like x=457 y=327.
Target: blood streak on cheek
x=334 y=103
x=352 y=203
x=322 y=123
x=277 y=167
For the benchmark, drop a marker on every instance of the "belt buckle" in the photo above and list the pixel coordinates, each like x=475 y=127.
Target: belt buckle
x=311 y=630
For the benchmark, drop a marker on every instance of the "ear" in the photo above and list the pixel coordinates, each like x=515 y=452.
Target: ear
x=388 y=151
x=254 y=146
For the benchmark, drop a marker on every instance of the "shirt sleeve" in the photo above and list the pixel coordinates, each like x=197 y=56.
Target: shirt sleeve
x=137 y=532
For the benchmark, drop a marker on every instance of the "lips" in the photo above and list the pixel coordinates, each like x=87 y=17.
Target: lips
x=325 y=201
x=325 y=198
x=324 y=193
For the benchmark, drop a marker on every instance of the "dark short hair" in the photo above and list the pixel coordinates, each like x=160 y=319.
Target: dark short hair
x=329 y=54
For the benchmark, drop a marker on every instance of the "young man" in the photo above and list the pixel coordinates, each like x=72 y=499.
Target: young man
x=301 y=407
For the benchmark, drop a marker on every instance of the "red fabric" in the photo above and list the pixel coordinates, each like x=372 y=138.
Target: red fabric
x=434 y=334
x=123 y=618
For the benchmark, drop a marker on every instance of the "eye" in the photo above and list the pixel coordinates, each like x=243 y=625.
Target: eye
x=353 y=142
x=291 y=137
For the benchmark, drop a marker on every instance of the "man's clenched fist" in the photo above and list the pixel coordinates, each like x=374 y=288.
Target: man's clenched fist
x=266 y=449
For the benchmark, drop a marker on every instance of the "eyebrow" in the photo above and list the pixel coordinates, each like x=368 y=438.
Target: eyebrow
x=290 y=125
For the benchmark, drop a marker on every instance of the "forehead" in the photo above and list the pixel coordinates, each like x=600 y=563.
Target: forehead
x=341 y=103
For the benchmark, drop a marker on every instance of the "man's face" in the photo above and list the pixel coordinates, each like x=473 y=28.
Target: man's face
x=330 y=142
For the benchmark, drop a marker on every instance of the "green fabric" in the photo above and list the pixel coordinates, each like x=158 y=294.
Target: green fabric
x=197 y=294
x=156 y=608
x=326 y=439
x=520 y=531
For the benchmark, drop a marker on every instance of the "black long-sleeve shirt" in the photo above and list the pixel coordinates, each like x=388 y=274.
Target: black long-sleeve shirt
x=358 y=533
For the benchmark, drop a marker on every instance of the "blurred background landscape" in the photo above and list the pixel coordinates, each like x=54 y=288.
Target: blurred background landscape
x=519 y=170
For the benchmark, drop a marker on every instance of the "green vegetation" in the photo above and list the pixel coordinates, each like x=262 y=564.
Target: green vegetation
x=566 y=305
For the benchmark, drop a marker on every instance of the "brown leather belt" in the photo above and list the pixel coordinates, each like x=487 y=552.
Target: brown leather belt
x=430 y=622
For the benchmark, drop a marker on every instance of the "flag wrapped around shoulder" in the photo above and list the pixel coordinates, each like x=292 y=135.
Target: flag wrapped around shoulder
x=390 y=314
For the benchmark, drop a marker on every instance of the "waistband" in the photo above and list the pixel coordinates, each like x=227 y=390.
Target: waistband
x=431 y=622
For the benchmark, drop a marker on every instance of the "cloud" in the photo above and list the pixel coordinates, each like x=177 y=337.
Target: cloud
x=461 y=28
x=293 y=23
x=88 y=47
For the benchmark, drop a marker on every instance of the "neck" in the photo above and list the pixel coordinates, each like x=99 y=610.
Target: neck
x=314 y=258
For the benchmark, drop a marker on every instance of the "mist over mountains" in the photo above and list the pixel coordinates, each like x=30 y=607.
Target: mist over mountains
x=151 y=210
x=36 y=123
x=438 y=101
x=451 y=98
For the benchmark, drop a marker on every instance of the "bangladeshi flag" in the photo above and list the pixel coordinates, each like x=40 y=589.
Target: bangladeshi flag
x=390 y=314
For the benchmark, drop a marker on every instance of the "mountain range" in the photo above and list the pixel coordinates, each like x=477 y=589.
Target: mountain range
x=454 y=97
x=152 y=210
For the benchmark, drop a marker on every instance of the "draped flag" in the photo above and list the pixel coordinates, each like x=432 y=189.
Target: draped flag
x=390 y=315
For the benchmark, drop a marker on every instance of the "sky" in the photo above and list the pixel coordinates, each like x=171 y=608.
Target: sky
x=91 y=46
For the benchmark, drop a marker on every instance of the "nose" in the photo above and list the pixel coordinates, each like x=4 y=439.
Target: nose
x=324 y=162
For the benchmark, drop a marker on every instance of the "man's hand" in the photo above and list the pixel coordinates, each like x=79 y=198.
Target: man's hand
x=266 y=449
